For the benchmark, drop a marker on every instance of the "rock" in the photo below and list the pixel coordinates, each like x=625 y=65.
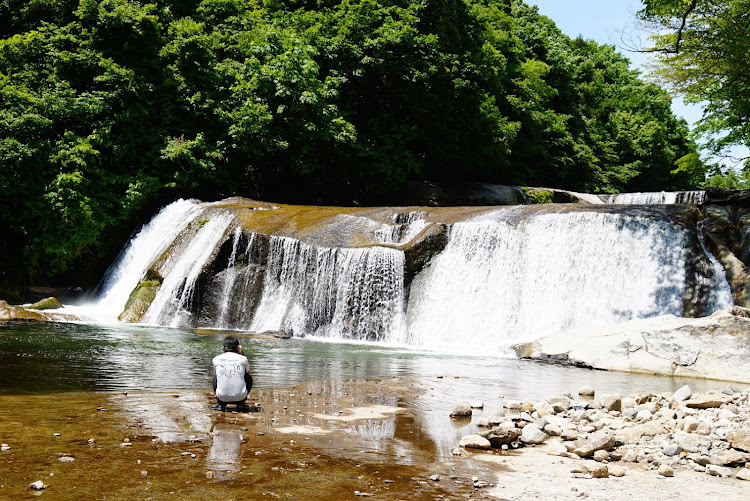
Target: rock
x=665 y=470
x=460 y=409
x=671 y=450
x=716 y=347
x=611 y=402
x=740 y=439
x=586 y=391
x=561 y=403
x=691 y=442
x=435 y=478
x=682 y=394
x=532 y=434
x=556 y=448
x=617 y=470
x=718 y=471
x=483 y=422
x=743 y=474
x=475 y=442
x=597 y=470
x=496 y=418
x=707 y=401
x=569 y=434
x=730 y=457
x=552 y=430
x=597 y=441
x=630 y=413
x=48 y=303
x=37 y=486
x=703 y=429
x=544 y=409
x=512 y=405
x=643 y=415
x=476 y=404
x=504 y=434
x=67 y=459
x=601 y=456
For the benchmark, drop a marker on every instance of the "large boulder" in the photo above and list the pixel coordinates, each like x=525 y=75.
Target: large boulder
x=505 y=434
x=48 y=303
x=139 y=301
x=716 y=347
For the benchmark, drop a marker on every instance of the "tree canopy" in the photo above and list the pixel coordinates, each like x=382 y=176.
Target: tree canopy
x=108 y=107
x=703 y=52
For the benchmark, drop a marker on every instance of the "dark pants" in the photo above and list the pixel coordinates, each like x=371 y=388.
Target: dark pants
x=248 y=385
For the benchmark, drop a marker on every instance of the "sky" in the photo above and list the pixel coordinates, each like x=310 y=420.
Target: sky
x=612 y=22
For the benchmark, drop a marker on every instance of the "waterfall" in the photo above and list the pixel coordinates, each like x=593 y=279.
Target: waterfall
x=406 y=226
x=332 y=292
x=130 y=268
x=660 y=197
x=172 y=303
x=503 y=281
x=482 y=280
x=719 y=291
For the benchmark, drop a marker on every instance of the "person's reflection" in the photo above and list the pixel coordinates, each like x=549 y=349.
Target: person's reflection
x=224 y=454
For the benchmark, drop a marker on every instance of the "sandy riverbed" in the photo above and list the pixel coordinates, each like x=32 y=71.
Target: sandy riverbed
x=319 y=440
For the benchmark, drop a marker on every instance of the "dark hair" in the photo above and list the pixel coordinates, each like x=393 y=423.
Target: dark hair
x=231 y=343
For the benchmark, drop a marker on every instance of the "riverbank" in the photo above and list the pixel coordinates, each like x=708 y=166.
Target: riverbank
x=324 y=439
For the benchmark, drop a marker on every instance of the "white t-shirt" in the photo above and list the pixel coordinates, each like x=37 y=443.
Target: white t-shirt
x=230 y=369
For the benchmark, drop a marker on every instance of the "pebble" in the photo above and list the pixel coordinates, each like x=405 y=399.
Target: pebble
x=37 y=486
x=665 y=470
x=586 y=391
x=435 y=478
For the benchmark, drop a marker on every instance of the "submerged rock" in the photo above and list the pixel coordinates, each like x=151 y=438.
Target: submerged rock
x=460 y=409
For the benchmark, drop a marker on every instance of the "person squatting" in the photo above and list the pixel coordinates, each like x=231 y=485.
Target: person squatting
x=232 y=382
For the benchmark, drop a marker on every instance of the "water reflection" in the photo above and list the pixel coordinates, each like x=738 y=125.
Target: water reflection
x=54 y=357
x=225 y=451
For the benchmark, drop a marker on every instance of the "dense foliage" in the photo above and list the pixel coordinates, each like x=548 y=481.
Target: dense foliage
x=703 y=49
x=109 y=105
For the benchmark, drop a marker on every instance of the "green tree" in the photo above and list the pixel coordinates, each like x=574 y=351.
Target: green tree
x=703 y=49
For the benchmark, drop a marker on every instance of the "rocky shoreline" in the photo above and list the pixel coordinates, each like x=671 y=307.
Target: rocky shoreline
x=667 y=434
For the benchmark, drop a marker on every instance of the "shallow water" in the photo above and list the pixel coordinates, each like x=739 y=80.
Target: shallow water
x=60 y=357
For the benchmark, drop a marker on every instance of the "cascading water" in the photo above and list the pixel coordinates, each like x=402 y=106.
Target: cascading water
x=406 y=226
x=501 y=276
x=172 y=303
x=503 y=281
x=660 y=197
x=130 y=268
x=332 y=292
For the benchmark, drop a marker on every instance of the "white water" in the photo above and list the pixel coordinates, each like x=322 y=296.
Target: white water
x=332 y=292
x=405 y=228
x=499 y=282
x=512 y=275
x=170 y=306
x=660 y=197
x=130 y=268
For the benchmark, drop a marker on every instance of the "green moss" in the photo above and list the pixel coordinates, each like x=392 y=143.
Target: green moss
x=201 y=223
x=139 y=301
x=538 y=196
x=48 y=303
